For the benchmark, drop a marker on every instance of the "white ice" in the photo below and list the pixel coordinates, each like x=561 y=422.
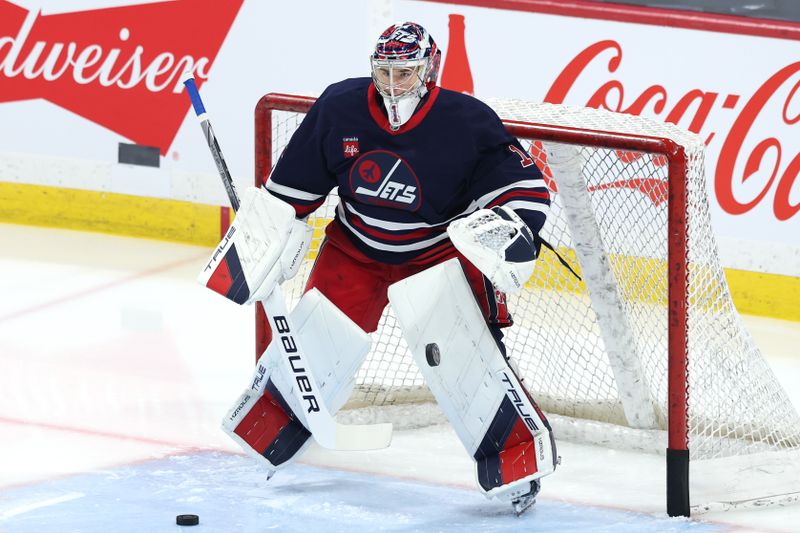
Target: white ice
x=116 y=368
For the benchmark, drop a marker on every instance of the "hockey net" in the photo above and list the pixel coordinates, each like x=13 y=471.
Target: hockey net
x=649 y=343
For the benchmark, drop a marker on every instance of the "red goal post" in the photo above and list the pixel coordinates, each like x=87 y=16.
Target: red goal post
x=659 y=155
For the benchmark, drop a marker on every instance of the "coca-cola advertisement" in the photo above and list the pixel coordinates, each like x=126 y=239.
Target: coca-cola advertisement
x=77 y=78
x=740 y=93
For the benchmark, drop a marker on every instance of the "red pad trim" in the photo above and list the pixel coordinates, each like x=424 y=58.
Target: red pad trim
x=221 y=280
x=262 y=424
x=518 y=457
x=518 y=462
x=519 y=434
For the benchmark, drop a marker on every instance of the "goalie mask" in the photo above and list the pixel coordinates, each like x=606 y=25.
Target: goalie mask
x=405 y=66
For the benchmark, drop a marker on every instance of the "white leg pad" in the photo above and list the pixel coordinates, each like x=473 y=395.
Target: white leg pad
x=499 y=424
x=336 y=347
x=267 y=420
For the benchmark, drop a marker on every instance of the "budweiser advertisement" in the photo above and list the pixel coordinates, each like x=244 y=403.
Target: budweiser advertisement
x=79 y=77
x=118 y=67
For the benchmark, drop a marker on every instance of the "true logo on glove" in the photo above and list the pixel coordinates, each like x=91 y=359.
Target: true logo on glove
x=221 y=248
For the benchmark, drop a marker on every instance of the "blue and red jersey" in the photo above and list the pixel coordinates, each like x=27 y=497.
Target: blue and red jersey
x=400 y=189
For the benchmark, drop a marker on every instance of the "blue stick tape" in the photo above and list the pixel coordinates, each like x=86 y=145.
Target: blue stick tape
x=194 y=95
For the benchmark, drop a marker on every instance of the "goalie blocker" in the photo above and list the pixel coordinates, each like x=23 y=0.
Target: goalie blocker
x=498 y=423
x=264 y=246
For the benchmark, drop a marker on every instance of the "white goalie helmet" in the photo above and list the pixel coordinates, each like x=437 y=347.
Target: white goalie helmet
x=405 y=66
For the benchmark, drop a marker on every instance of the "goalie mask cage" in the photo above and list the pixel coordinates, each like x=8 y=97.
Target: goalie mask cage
x=649 y=347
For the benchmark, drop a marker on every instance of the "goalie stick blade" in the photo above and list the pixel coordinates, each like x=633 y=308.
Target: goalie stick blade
x=357 y=437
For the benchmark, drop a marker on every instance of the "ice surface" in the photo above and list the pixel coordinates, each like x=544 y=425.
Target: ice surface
x=116 y=368
x=229 y=493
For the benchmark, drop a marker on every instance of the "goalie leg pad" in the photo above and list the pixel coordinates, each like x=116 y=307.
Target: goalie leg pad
x=264 y=426
x=494 y=417
x=335 y=347
x=267 y=420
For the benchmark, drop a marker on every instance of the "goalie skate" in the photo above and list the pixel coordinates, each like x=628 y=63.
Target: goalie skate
x=526 y=501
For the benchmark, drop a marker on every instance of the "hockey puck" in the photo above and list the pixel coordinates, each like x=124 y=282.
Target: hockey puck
x=187 y=519
x=432 y=354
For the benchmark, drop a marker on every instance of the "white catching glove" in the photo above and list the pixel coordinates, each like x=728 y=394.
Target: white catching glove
x=264 y=246
x=499 y=244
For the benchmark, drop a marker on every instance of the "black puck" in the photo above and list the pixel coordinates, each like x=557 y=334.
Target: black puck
x=432 y=354
x=187 y=519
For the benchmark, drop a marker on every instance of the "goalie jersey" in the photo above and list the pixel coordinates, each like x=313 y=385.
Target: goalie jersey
x=400 y=189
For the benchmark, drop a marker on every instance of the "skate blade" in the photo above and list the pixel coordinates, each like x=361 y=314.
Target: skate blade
x=523 y=504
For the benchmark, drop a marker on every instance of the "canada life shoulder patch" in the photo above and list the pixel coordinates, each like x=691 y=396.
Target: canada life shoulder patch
x=350 y=146
x=380 y=177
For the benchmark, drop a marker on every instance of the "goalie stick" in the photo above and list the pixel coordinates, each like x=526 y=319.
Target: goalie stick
x=325 y=430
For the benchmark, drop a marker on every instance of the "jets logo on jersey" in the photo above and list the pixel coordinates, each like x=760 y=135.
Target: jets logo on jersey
x=384 y=178
x=370 y=172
